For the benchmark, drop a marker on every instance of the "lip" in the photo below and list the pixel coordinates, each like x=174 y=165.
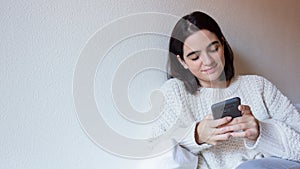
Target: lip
x=210 y=70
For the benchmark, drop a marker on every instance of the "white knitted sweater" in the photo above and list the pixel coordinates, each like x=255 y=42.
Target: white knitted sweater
x=278 y=121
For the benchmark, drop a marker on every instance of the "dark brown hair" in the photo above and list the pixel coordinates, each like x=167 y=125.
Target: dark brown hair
x=185 y=27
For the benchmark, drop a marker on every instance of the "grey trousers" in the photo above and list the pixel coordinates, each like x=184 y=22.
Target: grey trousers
x=270 y=163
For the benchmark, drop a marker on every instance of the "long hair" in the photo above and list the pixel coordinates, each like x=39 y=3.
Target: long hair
x=185 y=27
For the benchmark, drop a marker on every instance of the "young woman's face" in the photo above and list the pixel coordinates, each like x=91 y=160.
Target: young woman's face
x=203 y=55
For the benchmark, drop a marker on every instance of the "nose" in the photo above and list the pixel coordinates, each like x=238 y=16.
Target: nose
x=207 y=59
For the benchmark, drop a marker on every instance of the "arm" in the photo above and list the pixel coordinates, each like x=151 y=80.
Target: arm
x=280 y=134
x=277 y=139
x=190 y=142
x=279 y=106
x=206 y=133
x=176 y=121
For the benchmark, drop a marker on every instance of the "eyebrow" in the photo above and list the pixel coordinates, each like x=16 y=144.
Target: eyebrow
x=197 y=51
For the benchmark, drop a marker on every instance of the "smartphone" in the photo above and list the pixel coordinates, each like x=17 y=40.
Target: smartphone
x=226 y=108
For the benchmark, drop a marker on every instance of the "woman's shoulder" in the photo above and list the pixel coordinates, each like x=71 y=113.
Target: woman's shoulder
x=257 y=81
x=253 y=79
x=173 y=85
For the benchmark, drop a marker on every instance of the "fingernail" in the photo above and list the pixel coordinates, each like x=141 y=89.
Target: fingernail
x=240 y=107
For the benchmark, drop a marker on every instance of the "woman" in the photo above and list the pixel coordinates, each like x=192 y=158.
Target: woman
x=201 y=74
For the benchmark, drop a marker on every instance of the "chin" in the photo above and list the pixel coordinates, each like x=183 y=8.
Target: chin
x=214 y=77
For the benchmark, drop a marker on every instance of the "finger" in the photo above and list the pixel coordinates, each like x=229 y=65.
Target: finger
x=237 y=127
x=240 y=134
x=243 y=119
x=237 y=120
x=219 y=122
x=216 y=139
x=222 y=137
x=246 y=112
x=250 y=134
x=244 y=107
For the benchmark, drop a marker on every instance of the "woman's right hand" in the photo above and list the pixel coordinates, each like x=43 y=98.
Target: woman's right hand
x=210 y=131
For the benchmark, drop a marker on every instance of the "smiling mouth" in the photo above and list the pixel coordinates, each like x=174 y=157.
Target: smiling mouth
x=210 y=70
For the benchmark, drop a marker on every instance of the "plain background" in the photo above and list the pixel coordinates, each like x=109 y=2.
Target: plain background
x=41 y=42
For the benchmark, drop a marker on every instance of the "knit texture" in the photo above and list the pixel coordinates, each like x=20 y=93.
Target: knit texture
x=278 y=121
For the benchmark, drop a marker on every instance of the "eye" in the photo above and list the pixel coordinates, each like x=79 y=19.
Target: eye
x=214 y=48
x=195 y=57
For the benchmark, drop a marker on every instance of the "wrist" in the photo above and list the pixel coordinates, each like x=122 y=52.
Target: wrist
x=197 y=137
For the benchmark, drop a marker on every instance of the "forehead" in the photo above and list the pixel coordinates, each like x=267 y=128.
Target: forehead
x=199 y=40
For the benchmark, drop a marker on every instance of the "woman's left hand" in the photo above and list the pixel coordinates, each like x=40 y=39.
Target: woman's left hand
x=246 y=126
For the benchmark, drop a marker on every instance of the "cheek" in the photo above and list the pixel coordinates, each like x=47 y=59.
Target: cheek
x=223 y=59
x=194 y=65
x=219 y=57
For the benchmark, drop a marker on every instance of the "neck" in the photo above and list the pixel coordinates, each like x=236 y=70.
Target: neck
x=216 y=84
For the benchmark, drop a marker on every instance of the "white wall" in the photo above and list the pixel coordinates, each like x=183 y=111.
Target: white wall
x=40 y=45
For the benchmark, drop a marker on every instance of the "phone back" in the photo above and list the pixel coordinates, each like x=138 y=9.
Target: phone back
x=226 y=108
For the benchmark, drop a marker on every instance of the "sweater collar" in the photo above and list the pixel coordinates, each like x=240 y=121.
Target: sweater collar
x=221 y=93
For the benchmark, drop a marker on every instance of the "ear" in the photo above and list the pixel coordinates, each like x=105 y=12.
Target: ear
x=182 y=62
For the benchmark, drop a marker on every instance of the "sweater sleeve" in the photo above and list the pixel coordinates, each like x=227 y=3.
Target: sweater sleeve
x=189 y=142
x=280 y=134
x=175 y=121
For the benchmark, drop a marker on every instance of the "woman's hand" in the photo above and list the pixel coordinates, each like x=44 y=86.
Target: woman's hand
x=209 y=131
x=246 y=126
